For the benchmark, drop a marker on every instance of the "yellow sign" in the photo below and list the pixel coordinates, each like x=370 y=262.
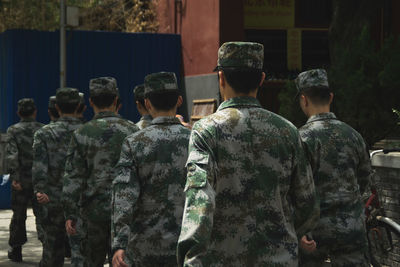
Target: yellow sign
x=294 y=61
x=269 y=14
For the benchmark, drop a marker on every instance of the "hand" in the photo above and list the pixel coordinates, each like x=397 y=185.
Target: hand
x=42 y=198
x=306 y=245
x=118 y=259
x=16 y=185
x=70 y=227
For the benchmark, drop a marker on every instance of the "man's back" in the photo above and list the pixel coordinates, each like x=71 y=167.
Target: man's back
x=19 y=149
x=263 y=188
x=95 y=149
x=341 y=170
x=50 y=150
x=156 y=157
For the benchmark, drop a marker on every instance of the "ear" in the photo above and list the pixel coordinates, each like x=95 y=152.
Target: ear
x=58 y=109
x=262 y=79
x=304 y=100
x=330 y=98
x=91 y=102
x=221 y=80
x=179 y=102
x=147 y=104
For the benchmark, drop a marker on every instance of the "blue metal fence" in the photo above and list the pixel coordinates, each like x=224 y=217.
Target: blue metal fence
x=29 y=65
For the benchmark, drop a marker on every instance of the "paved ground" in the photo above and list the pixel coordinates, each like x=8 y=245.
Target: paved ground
x=31 y=251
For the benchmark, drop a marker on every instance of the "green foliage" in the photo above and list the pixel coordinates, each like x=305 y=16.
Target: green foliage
x=366 y=85
x=108 y=15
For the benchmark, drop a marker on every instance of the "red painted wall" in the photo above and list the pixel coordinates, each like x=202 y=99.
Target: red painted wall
x=198 y=22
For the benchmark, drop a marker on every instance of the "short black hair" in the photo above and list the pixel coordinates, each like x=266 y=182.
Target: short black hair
x=103 y=100
x=53 y=112
x=81 y=107
x=243 y=80
x=68 y=108
x=163 y=101
x=318 y=95
x=26 y=113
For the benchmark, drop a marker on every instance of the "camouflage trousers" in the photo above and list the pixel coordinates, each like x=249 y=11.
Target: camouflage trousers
x=54 y=241
x=97 y=242
x=77 y=258
x=19 y=205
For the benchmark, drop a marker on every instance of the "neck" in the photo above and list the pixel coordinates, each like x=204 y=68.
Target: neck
x=230 y=93
x=63 y=115
x=98 y=110
x=169 y=113
x=314 y=110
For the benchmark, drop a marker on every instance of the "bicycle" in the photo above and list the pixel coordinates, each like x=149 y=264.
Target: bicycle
x=380 y=229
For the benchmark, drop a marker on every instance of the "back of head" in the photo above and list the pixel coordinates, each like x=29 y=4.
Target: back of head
x=138 y=94
x=162 y=90
x=26 y=107
x=314 y=84
x=241 y=63
x=103 y=91
x=52 y=107
x=67 y=99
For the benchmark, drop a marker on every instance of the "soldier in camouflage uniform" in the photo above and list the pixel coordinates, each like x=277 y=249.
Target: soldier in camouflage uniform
x=94 y=151
x=18 y=159
x=341 y=169
x=53 y=113
x=249 y=189
x=146 y=118
x=49 y=154
x=148 y=193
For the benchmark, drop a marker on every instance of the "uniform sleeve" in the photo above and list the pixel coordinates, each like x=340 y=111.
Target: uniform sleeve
x=126 y=190
x=364 y=170
x=11 y=156
x=197 y=222
x=73 y=183
x=306 y=205
x=40 y=164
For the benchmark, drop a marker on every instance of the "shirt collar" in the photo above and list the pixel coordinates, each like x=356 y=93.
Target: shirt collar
x=321 y=117
x=104 y=114
x=241 y=101
x=147 y=117
x=165 y=120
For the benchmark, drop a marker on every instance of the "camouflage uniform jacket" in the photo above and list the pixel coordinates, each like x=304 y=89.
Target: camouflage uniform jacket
x=18 y=154
x=49 y=154
x=342 y=172
x=144 y=122
x=148 y=196
x=93 y=153
x=249 y=189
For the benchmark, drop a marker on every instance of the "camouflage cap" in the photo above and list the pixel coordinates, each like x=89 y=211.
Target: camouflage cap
x=138 y=92
x=52 y=101
x=160 y=82
x=67 y=95
x=103 y=86
x=312 y=78
x=26 y=105
x=241 y=55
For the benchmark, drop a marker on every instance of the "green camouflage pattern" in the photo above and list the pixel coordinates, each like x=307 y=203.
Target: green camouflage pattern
x=138 y=92
x=18 y=161
x=241 y=55
x=50 y=148
x=312 y=78
x=103 y=86
x=249 y=190
x=145 y=121
x=26 y=105
x=148 y=196
x=342 y=173
x=67 y=95
x=94 y=151
x=160 y=82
